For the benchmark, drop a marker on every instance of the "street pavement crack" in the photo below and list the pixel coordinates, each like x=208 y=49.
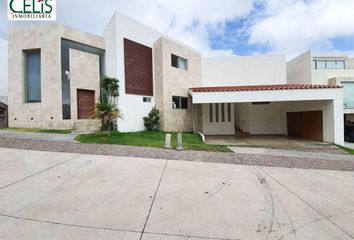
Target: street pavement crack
x=39 y=172
x=153 y=200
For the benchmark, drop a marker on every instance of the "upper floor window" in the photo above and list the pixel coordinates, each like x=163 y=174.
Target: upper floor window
x=348 y=94
x=179 y=62
x=329 y=64
x=179 y=102
x=33 y=76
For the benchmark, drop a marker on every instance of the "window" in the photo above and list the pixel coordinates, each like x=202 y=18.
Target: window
x=179 y=62
x=260 y=103
x=320 y=64
x=210 y=112
x=217 y=112
x=147 y=99
x=348 y=94
x=223 y=112
x=179 y=102
x=229 y=112
x=33 y=76
x=329 y=64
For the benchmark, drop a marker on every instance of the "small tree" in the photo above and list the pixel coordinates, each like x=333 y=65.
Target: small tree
x=107 y=109
x=152 y=121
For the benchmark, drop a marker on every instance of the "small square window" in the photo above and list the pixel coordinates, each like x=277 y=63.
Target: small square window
x=179 y=102
x=147 y=99
x=179 y=62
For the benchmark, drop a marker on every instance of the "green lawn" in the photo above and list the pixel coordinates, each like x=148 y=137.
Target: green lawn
x=39 y=130
x=191 y=141
x=348 y=150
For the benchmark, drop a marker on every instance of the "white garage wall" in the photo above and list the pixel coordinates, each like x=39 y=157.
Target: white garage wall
x=259 y=119
x=242 y=116
x=245 y=70
x=3 y=70
x=266 y=119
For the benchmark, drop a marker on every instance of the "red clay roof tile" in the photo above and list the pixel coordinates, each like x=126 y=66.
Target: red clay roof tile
x=262 y=87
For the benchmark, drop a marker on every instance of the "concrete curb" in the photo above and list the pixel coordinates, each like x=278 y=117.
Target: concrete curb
x=199 y=156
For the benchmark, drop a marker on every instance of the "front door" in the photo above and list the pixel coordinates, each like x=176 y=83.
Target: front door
x=85 y=103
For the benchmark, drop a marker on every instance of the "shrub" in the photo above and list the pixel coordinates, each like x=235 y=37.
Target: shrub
x=152 y=121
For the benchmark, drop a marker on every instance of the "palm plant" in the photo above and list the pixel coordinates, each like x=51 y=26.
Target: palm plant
x=107 y=109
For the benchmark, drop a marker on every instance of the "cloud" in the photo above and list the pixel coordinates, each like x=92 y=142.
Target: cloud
x=188 y=21
x=258 y=26
x=294 y=26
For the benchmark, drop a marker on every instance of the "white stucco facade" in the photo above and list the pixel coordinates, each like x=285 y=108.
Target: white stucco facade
x=255 y=112
x=3 y=71
x=132 y=106
x=245 y=70
x=302 y=70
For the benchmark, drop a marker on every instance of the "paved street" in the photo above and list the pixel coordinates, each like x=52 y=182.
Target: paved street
x=49 y=195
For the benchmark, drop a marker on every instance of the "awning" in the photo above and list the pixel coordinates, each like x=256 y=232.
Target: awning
x=262 y=93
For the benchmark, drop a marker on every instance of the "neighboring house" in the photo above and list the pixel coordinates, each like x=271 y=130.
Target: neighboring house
x=3 y=71
x=59 y=69
x=325 y=68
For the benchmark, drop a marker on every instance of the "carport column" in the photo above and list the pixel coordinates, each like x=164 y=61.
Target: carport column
x=338 y=120
x=194 y=118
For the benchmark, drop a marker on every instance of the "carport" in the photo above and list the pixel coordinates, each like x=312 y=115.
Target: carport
x=296 y=110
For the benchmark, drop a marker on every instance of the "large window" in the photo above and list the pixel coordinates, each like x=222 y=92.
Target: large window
x=179 y=62
x=348 y=93
x=179 y=102
x=328 y=64
x=33 y=76
x=217 y=109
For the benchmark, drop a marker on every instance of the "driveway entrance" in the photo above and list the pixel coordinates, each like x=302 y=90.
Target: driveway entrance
x=274 y=141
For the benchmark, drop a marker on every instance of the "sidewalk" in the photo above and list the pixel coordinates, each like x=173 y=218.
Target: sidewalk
x=38 y=136
x=54 y=195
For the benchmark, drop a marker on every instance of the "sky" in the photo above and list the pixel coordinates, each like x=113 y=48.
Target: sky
x=223 y=27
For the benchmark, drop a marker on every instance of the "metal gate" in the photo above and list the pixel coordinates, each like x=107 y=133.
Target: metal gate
x=3 y=115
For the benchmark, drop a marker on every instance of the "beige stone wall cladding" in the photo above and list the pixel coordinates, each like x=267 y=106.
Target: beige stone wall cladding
x=84 y=74
x=48 y=113
x=171 y=81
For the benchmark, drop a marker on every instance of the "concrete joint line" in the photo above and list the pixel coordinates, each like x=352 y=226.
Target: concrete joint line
x=67 y=224
x=191 y=236
x=153 y=200
x=308 y=204
x=39 y=172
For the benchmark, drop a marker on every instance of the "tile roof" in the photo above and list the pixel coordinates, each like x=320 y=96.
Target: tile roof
x=262 y=87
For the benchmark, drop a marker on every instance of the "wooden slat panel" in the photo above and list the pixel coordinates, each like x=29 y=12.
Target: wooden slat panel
x=308 y=125
x=138 y=68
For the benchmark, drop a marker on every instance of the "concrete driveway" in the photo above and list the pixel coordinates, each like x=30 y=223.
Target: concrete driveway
x=46 y=195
